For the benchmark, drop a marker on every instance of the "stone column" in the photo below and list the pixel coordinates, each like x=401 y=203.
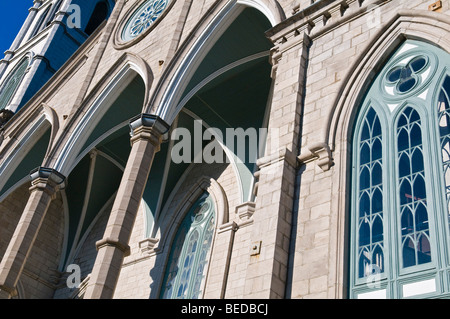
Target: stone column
x=44 y=186
x=267 y=271
x=147 y=134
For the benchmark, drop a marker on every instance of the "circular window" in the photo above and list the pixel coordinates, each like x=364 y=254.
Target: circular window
x=143 y=18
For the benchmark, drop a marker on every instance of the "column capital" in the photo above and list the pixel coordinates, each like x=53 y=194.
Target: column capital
x=149 y=126
x=125 y=248
x=47 y=179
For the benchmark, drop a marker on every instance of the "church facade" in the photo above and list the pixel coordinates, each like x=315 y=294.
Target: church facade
x=226 y=149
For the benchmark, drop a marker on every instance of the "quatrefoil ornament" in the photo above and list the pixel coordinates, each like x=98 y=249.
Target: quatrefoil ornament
x=405 y=78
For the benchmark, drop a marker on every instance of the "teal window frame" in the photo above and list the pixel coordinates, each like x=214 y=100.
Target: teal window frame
x=389 y=102
x=188 y=263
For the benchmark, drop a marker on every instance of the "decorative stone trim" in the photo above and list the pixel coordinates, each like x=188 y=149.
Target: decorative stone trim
x=149 y=126
x=47 y=179
x=245 y=213
x=149 y=246
x=319 y=152
x=113 y=243
x=283 y=154
x=231 y=226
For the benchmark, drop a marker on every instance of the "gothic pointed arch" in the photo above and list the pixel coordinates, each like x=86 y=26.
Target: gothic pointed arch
x=126 y=84
x=182 y=69
x=24 y=156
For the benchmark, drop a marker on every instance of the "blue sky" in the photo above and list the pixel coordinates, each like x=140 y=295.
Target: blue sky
x=12 y=15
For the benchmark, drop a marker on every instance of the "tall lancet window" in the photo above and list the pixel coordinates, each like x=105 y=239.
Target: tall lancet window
x=12 y=82
x=187 y=267
x=400 y=199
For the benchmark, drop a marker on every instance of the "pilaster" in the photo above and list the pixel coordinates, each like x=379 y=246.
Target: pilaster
x=147 y=134
x=267 y=271
x=44 y=186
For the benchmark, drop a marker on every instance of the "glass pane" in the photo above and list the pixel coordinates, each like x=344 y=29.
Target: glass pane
x=365 y=153
x=412 y=191
x=403 y=140
x=405 y=192
x=394 y=75
x=377 y=230
x=377 y=201
x=417 y=64
x=424 y=249
x=364 y=233
x=409 y=253
x=417 y=161
x=404 y=165
x=365 y=133
x=376 y=149
x=377 y=177
x=407 y=221
x=405 y=86
x=364 y=205
x=365 y=178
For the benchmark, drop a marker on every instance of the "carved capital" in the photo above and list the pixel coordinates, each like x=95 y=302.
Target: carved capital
x=47 y=180
x=150 y=127
x=148 y=246
x=109 y=242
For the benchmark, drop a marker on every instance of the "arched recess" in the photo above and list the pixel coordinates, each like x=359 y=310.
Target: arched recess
x=129 y=72
x=97 y=153
x=406 y=24
x=28 y=154
x=223 y=83
x=179 y=74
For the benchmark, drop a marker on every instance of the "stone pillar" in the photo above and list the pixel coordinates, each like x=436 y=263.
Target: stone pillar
x=147 y=134
x=267 y=271
x=44 y=186
x=220 y=262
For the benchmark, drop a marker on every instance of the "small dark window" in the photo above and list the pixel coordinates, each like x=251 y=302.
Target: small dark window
x=98 y=16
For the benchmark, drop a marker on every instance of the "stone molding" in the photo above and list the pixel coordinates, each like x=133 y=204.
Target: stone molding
x=150 y=127
x=319 y=152
x=47 y=180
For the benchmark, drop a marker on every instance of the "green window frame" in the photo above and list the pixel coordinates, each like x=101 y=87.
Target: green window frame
x=187 y=267
x=400 y=192
x=12 y=82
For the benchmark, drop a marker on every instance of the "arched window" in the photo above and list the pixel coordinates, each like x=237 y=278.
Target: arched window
x=12 y=82
x=98 y=16
x=189 y=257
x=400 y=236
